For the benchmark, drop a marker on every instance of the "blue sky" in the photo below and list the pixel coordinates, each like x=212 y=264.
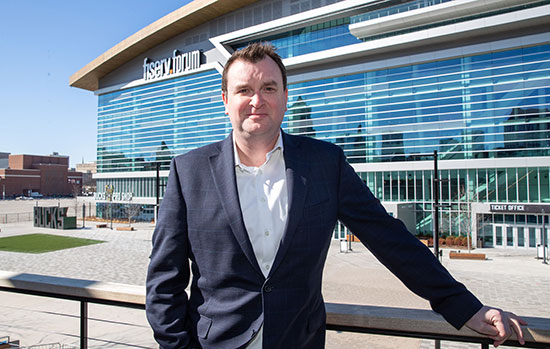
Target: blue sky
x=42 y=43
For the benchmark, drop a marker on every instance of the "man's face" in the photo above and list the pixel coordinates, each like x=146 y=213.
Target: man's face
x=255 y=99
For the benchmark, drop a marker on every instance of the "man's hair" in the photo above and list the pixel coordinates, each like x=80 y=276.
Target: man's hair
x=254 y=53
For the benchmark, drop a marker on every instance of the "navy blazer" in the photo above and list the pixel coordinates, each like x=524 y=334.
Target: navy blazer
x=200 y=221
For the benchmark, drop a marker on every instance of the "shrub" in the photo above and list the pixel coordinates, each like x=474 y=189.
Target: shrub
x=450 y=240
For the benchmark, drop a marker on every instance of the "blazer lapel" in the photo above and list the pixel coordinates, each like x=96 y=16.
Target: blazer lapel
x=296 y=170
x=222 y=168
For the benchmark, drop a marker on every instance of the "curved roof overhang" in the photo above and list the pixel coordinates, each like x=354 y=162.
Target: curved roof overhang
x=181 y=20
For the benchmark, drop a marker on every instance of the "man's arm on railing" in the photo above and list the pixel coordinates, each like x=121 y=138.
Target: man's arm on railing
x=497 y=324
x=423 y=323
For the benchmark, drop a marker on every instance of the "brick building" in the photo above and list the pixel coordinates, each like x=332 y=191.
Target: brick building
x=87 y=170
x=47 y=175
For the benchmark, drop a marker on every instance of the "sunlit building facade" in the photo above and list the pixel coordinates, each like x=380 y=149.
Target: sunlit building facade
x=388 y=81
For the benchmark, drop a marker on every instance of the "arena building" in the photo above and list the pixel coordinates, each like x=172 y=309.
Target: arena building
x=389 y=81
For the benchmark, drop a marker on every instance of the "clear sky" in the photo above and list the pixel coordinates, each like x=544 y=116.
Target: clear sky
x=44 y=42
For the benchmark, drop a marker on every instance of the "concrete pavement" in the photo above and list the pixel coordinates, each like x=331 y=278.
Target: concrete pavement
x=511 y=279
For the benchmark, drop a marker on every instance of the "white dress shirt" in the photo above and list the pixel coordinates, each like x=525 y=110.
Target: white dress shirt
x=263 y=197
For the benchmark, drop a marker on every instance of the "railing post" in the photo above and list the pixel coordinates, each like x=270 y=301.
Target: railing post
x=484 y=346
x=437 y=343
x=83 y=325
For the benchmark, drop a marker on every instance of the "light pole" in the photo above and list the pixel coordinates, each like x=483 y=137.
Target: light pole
x=436 y=207
x=544 y=239
x=109 y=188
x=158 y=185
x=157 y=191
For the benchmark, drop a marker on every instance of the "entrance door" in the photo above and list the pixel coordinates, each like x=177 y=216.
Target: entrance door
x=532 y=236
x=498 y=234
x=515 y=236
x=526 y=236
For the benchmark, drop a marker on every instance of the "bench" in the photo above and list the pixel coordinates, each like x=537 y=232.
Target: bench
x=474 y=256
x=102 y=225
x=125 y=228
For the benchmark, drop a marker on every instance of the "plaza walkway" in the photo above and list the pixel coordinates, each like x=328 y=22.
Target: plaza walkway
x=511 y=279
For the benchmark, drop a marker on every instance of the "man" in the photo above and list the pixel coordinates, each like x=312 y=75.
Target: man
x=254 y=215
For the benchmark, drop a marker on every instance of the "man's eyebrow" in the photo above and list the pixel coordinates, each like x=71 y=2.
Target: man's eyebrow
x=270 y=83
x=240 y=86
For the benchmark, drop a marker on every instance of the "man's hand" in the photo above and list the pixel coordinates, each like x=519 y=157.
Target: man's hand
x=497 y=324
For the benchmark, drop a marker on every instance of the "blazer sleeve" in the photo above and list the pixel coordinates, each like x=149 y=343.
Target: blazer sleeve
x=400 y=251
x=168 y=273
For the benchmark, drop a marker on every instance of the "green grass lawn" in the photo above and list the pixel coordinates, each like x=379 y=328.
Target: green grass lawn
x=40 y=243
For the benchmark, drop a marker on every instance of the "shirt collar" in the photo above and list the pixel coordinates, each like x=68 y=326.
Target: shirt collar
x=278 y=145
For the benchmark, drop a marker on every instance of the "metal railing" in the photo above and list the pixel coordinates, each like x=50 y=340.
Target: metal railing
x=15 y=217
x=402 y=322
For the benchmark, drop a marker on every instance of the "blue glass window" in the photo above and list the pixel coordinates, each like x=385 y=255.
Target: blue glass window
x=142 y=126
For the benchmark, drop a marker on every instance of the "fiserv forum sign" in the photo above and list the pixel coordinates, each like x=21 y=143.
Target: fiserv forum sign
x=178 y=63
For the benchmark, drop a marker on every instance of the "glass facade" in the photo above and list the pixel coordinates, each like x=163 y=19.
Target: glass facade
x=142 y=126
x=392 y=10
x=506 y=230
x=494 y=105
x=313 y=38
x=459 y=188
x=335 y=33
x=139 y=187
x=488 y=106
x=426 y=3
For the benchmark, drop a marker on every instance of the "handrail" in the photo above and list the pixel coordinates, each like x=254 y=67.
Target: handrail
x=129 y=296
x=416 y=323
x=423 y=323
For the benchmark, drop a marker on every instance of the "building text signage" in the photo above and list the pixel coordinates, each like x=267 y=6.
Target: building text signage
x=53 y=217
x=117 y=196
x=178 y=63
x=519 y=208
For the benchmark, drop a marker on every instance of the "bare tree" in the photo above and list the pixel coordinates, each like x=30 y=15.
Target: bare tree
x=466 y=216
x=132 y=210
x=76 y=190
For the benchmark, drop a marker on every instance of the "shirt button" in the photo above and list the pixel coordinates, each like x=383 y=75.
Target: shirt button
x=266 y=233
x=267 y=266
x=263 y=199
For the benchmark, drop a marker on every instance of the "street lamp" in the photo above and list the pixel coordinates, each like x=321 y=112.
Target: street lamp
x=436 y=207
x=544 y=239
x=109 y=189
x=158 y=185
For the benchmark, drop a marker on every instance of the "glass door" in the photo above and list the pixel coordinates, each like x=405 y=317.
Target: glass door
x=520 y=230
x=516 y=236
x=510 y=232
x=507 y=236
x=497 y=235
x=532 y=236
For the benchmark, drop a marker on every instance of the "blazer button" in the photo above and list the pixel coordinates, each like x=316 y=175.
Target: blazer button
x=268 y=288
